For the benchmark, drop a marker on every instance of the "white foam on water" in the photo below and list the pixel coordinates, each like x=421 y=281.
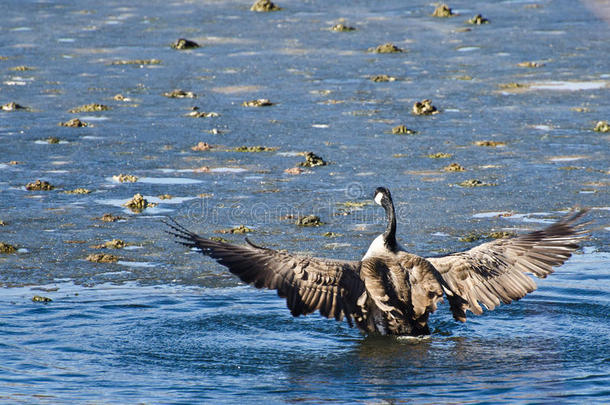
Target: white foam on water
x=94 y=118
x=227 y=170
x=569 y=86
x=492 y=214
x=168 y=180
x=566 y=158
x=443 y=234
x=468 y=48
x=45 y=142
x=134 y=264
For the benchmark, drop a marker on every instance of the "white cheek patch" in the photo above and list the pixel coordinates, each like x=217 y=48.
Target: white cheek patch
x=378 y=198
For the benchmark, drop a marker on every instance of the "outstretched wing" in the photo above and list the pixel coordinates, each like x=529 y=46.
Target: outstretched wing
x=307 y=283
x=494 y=272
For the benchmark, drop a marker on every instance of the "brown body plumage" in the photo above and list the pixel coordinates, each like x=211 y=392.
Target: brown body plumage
x=393 y=292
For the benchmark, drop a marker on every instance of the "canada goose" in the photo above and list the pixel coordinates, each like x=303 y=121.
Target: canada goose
x=390 y=291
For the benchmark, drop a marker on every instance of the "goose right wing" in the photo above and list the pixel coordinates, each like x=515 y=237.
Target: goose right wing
x=308 y=284
x=494 y=272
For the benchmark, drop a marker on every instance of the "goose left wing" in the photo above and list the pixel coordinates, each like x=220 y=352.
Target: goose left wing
x=309 y=284
x=494 y=272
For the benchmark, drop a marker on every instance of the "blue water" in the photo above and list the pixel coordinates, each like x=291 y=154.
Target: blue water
x=166 y=325
x=189 y=344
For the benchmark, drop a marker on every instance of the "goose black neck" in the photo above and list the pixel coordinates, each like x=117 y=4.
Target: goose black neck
x=389 y=236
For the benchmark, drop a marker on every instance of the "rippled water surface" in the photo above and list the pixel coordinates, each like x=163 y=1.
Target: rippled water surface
x=165 y=325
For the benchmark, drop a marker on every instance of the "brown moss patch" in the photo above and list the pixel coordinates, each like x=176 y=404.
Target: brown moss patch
x=39 y=185
x=79 y=190
x=354 y=204
x=202 y=114
x=125 y=178
x=7 y=249
x=111 y=244
x=439 y=155
x=12 y=106
x=254 y=149
x=259 y=102
x=500 y=235
x=201 y=147
x=331 y=234
x=602 y=126
x=109 y=218
x=581 y=109
x=512 y=85
x=73 y=123
x=403 y=130
x=492 y=144
x=478 y=20
x=177 y=93
x=342 y=28
x=263 y=6
x=237 y=230
x=454 y=167
x=475 y=183
x=138 y=203
x=424 y=107
x=312 y=160
x=382 y=78
x=530 y=64
x=473 y=237
x=102 y=258
x=93 y=107
x=21 y=68
x=386 y=48
x=309 y=220
x=40 y=298
x=183 y=44
x=443 y=11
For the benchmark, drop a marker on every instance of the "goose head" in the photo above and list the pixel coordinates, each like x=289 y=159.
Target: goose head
x=382 y=196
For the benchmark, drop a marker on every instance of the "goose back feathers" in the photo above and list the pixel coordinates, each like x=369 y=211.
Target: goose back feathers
x=394 y=293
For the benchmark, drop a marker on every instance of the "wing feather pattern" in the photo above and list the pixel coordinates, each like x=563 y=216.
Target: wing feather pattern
x=309 y=284
x=494 y=272
x=402 y=291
